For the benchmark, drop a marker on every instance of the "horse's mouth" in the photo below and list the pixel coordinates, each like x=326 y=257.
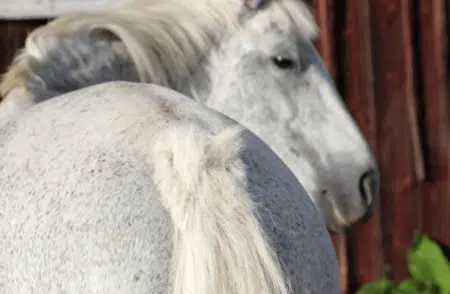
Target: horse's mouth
x=335 y=219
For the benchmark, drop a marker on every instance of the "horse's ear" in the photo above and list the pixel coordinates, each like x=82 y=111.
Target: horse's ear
x=255 y=4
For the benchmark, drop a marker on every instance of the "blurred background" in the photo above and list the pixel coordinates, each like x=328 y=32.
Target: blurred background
x=390 y=61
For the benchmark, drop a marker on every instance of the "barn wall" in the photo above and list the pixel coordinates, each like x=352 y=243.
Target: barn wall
x=389 y=58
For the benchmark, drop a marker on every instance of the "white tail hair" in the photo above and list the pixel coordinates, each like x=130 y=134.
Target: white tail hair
x=219 y=245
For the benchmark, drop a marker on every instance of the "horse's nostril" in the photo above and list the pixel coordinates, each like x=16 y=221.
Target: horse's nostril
x=369 y=187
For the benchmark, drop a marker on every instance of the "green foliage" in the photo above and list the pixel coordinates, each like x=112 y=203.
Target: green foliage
x=429 y=268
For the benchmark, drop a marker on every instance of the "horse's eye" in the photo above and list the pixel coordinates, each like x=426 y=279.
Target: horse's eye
x=283 y=62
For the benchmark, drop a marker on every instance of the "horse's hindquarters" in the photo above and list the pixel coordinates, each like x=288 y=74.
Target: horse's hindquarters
x=91 y=228
x=80 y=212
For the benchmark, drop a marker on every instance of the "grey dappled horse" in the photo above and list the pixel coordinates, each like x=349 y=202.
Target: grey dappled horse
x=265 y=74
x=154 y=193
x=135 y=188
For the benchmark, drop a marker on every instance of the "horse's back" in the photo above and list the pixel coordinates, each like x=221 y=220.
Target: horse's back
x=80 y=210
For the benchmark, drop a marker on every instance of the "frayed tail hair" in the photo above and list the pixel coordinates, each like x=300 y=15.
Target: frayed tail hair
x=219 y=245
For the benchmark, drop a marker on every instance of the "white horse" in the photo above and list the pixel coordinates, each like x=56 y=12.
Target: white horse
x=254 y=63
x=135 y=188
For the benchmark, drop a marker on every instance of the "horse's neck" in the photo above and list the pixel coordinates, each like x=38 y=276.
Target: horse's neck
x=198 y=85
x=78 y=61
x=81 y=60
x=206 y=85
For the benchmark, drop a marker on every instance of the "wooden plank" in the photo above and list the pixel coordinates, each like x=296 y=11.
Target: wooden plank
x=434 y=84
x=365 y=247
x=33 y=9
x=325 y=44
x=436 y=210
x=340 y=244
x=323 y=10
x=434 y=77
x=404 y=223
x=447 y=4
x=399 y=145
x=12 y=38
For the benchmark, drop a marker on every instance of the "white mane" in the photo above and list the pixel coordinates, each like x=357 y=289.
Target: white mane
x=165 y=38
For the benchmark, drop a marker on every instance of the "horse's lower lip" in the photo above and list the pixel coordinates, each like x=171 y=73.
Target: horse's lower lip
x=335 y=231
x=339 y=220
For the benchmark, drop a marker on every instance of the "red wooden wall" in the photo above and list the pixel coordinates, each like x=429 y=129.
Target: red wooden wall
x=390 y=62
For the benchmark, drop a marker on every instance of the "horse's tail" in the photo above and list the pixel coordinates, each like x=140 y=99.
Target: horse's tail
x=219 y=245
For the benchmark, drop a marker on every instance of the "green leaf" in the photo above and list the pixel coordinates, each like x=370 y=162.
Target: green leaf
x=428 y=264
x=415 y=287
x=429 y=268
x=408 y=287
x=382 y=286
